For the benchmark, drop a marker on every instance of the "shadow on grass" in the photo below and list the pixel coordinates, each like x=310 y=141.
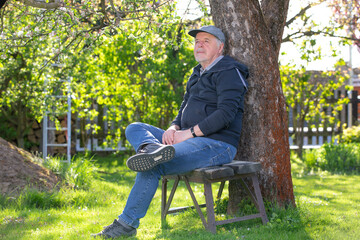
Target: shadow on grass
x=188 y=226
x=124 y=176
x=112 y=167
x=284 y=224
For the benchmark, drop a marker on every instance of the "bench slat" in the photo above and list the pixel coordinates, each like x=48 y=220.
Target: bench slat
x=211 y=173
x=242 y=167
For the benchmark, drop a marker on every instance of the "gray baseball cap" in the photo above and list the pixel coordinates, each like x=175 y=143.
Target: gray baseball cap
x=209 y=29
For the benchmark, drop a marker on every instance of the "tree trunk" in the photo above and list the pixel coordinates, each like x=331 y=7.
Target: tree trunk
x=20 y=125
x=254 y=35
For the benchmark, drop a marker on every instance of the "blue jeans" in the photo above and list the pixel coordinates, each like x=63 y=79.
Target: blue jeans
x=190 y=154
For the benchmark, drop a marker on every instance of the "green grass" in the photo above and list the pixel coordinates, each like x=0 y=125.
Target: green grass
x=328 y=207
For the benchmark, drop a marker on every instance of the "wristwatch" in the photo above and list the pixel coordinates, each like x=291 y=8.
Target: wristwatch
x=193 y=132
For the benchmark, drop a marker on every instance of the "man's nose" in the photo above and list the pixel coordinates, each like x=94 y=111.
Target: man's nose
x=199 y=43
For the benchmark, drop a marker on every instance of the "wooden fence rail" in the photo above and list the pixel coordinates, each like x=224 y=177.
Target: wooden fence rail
x=323 y=132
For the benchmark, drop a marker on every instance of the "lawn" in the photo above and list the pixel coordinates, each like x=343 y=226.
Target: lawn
x=328 y=207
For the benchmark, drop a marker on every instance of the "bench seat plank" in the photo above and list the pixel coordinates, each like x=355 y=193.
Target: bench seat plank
x=242 y=167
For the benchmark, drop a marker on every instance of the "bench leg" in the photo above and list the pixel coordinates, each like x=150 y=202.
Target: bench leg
x=196 y=205
x=165 y=204
x=221 y=188
x=259 y=199
x=163 y=199
x=211 y=226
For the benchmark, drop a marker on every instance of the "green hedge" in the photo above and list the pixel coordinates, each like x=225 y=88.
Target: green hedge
x=351 y=135
x=341 y=158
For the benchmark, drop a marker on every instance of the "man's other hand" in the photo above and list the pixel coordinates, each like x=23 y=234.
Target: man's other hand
x=180 y=136
x=168 y=136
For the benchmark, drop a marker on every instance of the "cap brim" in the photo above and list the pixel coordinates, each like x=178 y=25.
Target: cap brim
x=194 y=32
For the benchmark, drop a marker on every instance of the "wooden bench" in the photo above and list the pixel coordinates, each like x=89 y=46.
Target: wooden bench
x=207 y=176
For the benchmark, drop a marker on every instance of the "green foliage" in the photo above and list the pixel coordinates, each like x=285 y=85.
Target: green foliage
x=220 y=205
x=7 y=131
x=281 y=218
x=132 y=71
x=351 y=135
x=342 y=158
x=79 y=174
x=311 y=158
x=36 y=199
x=24 y=55
x=136 y=76
x=310 y=95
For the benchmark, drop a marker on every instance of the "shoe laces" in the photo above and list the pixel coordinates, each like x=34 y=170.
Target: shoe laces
x=111 y=226
x=149 y=148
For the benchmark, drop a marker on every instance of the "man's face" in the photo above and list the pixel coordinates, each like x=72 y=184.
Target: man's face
x=207 y=48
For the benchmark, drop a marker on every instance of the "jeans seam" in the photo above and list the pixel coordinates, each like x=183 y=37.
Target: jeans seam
x=198 y=150
x=219 y=155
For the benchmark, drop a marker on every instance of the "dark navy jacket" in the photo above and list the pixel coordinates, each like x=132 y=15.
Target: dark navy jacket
x=215 y=101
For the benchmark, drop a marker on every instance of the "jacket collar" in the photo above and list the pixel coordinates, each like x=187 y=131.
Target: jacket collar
x=224 y=63
x=211 y=65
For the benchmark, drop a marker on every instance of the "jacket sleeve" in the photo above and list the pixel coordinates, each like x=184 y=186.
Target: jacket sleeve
x=230 y=89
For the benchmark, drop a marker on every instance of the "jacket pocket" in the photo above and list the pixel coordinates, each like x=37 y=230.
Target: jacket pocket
x=193 y=113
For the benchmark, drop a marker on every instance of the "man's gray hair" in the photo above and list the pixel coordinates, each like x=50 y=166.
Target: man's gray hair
x=218 y=42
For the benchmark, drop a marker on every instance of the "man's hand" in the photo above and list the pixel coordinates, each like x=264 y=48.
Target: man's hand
x=168 y=136
x=173 y=135
x=180 y=136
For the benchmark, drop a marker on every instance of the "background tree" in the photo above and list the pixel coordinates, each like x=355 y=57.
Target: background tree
x=35 y=34
x=311 y=97
x=347 y=14
x=303 y=25
x=21 y=84
x=134 y=78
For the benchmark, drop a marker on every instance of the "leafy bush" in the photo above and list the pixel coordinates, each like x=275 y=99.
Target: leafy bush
x=311 y=158
x=351 y=135
x=78 y=174
x=342 y=158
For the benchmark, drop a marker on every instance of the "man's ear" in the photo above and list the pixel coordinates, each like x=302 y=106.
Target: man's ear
x=221 y=49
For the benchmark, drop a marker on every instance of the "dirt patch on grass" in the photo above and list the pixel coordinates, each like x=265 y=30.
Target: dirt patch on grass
x=19 y=169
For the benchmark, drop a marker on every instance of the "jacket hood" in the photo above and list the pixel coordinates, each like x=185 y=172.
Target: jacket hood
x=225 y=63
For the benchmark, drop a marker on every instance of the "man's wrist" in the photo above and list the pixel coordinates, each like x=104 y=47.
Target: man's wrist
x=174 y=127
x=193 y=132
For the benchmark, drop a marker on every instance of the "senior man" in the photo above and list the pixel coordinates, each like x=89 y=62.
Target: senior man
x=205 y=132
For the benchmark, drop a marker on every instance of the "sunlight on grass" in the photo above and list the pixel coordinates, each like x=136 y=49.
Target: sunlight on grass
x=328 y=207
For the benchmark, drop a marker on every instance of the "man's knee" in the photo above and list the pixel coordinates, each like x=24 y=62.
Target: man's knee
x=130 y=128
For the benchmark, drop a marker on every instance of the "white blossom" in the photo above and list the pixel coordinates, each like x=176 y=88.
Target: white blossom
x=28 y=34
x=20 y=33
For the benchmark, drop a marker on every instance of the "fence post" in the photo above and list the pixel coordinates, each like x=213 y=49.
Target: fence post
x=355 y=102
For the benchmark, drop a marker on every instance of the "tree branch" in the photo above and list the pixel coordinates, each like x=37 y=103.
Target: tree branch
x=52 y=4
x=275 y=13
x=309 y=33
x=299 y=14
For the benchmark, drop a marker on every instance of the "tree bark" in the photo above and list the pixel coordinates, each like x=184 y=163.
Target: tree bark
x=254 y=38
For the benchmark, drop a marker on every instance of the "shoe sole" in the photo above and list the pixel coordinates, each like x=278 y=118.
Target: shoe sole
x=145 y=161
